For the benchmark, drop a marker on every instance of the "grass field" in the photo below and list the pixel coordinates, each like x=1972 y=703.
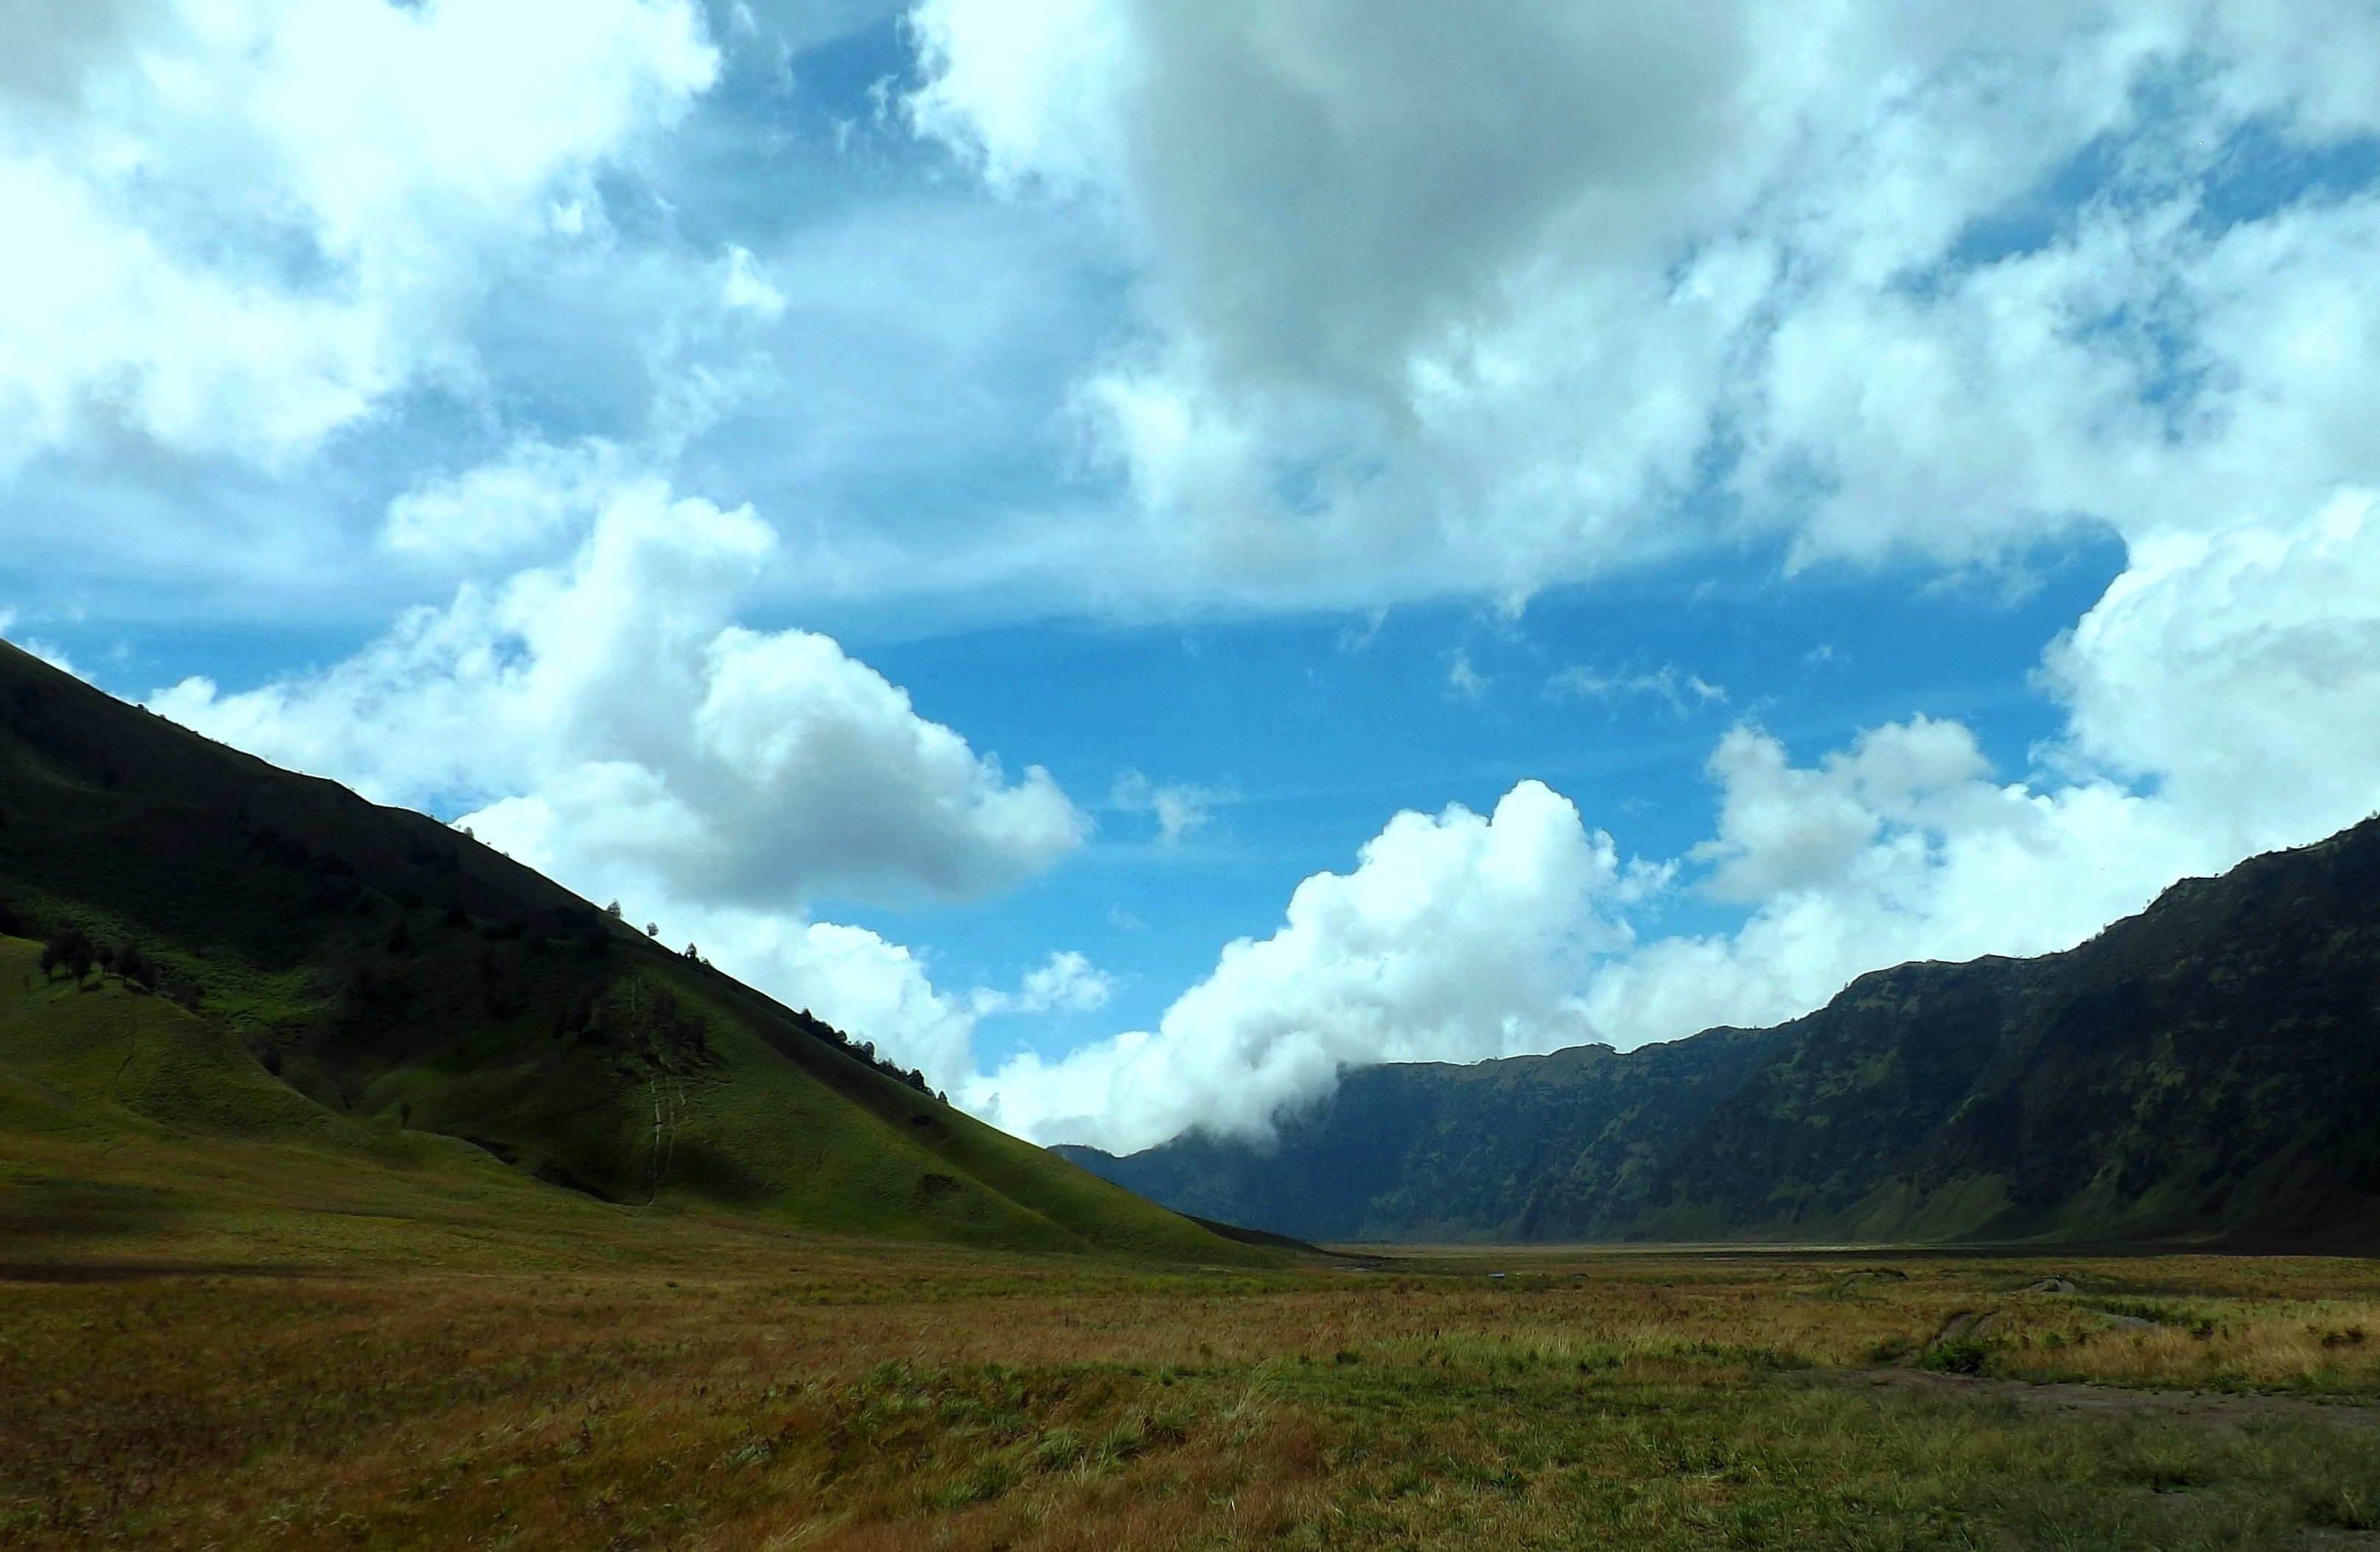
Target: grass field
x=422 y=1371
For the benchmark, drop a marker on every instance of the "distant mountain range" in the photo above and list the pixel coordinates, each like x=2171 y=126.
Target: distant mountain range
x=2206 y=1071
x=195 y=944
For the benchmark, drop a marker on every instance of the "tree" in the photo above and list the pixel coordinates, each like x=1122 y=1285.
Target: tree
x=70 y=948
x=133 y=965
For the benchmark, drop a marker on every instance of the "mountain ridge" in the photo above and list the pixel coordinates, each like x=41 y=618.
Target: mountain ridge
x=2206 y=1071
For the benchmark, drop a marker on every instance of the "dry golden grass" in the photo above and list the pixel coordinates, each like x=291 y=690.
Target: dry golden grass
x=708 y=1384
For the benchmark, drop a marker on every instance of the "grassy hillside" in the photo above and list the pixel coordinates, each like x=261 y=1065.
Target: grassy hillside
x=364 y=975
x=2208 y=1072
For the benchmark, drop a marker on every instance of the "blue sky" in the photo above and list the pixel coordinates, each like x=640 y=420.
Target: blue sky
x=1536 y=523
x=1315 y=739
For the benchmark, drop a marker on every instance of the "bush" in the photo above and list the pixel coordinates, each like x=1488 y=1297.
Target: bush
x=1955 y=1357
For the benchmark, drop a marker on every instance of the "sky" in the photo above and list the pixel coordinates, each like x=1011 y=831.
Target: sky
x=1140 y=554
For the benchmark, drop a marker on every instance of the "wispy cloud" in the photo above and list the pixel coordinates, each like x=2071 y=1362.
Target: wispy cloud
x=1682 y=692
x=1181 y=808
x=1465 y=679
x=1069 y=983
x=1353 y=640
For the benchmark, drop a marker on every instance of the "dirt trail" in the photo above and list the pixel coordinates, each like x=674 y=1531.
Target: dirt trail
x=2109 y=1401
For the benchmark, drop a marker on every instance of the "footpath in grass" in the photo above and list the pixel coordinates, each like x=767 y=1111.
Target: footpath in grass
x=735 y=1390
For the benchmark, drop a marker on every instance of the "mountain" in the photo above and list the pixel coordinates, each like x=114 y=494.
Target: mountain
x=1562 y=1146
x=193 y=939
x=2207 y=1071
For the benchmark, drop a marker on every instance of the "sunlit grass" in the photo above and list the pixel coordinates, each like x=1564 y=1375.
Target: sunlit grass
x=738 y=1391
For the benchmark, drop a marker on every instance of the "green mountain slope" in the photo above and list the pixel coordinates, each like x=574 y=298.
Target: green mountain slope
x=368 y=974
x=2208 y=1070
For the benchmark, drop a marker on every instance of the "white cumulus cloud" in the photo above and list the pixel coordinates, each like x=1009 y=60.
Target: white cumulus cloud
x=1458 y=934
x=606 y=720
x=237 y=228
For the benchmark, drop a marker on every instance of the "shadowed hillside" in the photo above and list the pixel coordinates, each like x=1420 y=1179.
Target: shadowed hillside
x=280 y=957
x=1561 y=1147
x=2208 y=1070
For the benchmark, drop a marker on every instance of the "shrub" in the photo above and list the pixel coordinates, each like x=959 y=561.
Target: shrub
x=1955 y=1357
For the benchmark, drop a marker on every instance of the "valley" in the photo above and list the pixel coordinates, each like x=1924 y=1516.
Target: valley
x=359 y=1187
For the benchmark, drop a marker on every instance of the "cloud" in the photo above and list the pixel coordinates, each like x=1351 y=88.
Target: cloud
x=744 y=290
x=1181 y=808
x=1682 y=692
x=1500 y=301
x=1068 y=983
x=2221 y=700
x=1463 y=679
x=2240 y=671
x=1457 y=935
x=241 y=227
x=606 y=720
x=532 y=494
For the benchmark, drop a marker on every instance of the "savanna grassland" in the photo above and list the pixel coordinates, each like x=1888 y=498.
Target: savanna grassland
x=410 y=1372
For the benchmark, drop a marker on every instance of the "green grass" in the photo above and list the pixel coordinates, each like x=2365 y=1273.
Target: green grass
x=105 y=1080
x=79 y=1057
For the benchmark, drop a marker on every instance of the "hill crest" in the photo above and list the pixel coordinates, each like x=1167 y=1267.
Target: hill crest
x=403 y=977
